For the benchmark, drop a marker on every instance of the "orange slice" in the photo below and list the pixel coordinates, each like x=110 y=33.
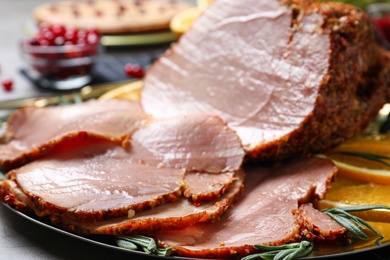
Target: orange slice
x=129 y=91
x=183 y=20
x=351 y=192
x=361 y=168
x=203 y=4
x=361 y=181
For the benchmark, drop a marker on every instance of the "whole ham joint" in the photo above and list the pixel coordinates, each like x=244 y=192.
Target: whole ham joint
x=291 y=77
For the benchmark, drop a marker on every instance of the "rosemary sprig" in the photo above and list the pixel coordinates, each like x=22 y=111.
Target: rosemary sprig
x=283 y=252
x=352 y=223
x=147 y=244
x=368 y=156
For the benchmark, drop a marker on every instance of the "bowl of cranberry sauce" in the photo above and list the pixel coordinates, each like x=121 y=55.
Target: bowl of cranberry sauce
x=62 y=57
x=380 y=15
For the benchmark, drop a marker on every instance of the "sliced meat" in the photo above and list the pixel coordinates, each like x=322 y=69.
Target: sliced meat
x=11 y=194
x=291 y=77
x=177 y=215
x=196 y=142
x=94 y=178
x=205 y=146
x=318 y=225
x=33 y=131
x=263 y=215
x=95 y=182
x=202 y=186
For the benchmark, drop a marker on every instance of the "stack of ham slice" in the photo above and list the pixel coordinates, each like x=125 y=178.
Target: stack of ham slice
x=261 y=79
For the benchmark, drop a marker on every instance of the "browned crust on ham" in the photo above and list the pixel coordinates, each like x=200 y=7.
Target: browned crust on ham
x=310 y=226
x=67 y=141
x=149 y=221
x=11 y=196
x=352 y=92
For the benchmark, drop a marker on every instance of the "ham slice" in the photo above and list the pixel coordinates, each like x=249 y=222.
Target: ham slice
x=319 y=226
x=204 y=146
x=176 y=215
x=276 y=71
x=265 y=214
x=32 y=132
x=95 y=182
x=95 y=178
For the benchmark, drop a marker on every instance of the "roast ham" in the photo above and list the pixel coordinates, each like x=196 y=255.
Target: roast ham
x=265 y=79
x=290 y=76
x=267 y=213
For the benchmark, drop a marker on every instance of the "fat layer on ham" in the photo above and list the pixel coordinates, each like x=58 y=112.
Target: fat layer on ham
x=265 y=214
x=33 y=131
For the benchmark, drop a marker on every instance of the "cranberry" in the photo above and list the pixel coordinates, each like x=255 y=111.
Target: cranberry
x=71 y=35
x=59 y=41
x=92 y=36
x=7 y=84
x=58 y=29
x=134 y=70
x=58 y=35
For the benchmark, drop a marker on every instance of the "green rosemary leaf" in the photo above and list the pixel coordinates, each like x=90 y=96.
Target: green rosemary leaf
x=351 y=227
x=265 y=256
x=164 y=251
x=363 y=208
x=284 y=252
x=273 y=248
x=352 y=223
x=305 y=249
x=363 y=222
x=368 y=156
x=122 y=243
x=147 y=244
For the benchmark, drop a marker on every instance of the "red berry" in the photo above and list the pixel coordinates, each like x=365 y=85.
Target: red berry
x=71 y=35
x=58 y=30
x=134 y=70
x=59 y=40
x=7 y=84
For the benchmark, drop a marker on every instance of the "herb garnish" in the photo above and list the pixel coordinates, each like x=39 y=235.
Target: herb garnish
x=283 y=252
x=354 y=224
x=147 y=244
x=369 y=156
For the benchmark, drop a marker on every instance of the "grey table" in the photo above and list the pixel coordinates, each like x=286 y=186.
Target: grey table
x=20 y=238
